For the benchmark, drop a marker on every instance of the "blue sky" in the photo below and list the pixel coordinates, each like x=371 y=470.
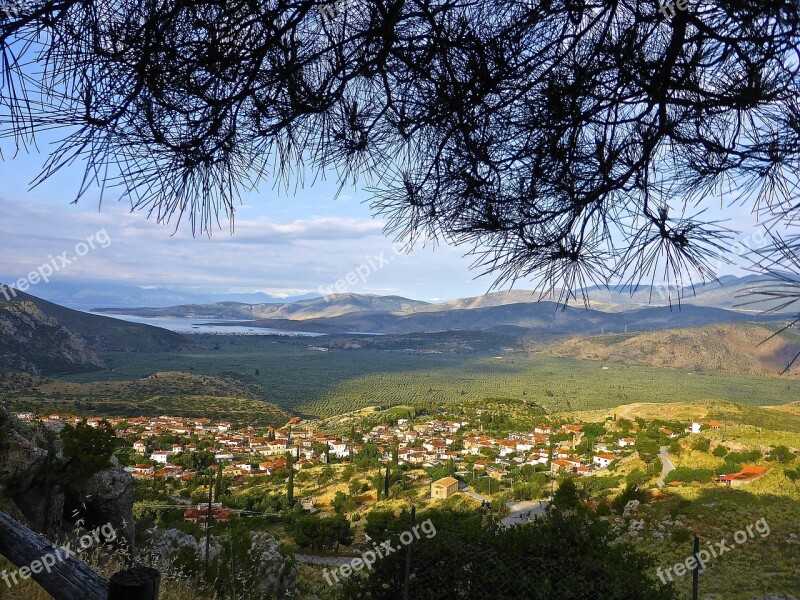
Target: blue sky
x=282 y=245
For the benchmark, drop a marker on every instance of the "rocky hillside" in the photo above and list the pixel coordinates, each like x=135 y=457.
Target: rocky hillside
x=734 y=348
x=32 y=342
x=39 y=337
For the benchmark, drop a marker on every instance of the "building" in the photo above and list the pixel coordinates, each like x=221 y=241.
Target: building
x=160 y=456
x=444 y=487
x=748 y=474
x=602 y=460
x=143 y=470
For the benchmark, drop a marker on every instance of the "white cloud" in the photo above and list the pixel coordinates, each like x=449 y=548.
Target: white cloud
x=278 y=257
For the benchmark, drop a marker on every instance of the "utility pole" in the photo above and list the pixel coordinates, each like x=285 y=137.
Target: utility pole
x=208 y=526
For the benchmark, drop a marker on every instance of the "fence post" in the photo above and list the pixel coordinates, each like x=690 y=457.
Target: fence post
x=138 y=583
x=407 y=579
x=696 y=570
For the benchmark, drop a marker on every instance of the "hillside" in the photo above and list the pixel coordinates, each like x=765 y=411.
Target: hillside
x=316 y=308
x=228 y=396
x=737 y=348
x=33 y=342
x=43 y=338
x=530 y=317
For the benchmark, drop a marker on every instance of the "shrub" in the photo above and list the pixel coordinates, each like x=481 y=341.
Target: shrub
x=632 y=492
x=681 y=535
x=720 y=451
x=688 y=475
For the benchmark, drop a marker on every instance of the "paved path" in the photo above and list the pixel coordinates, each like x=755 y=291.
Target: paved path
x=666 y=465
x=475 y=495
x=524 y=511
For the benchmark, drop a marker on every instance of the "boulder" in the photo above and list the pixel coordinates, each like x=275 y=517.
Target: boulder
x=108 y=498
x=277 y=575
x=166 y=544
x=38 y=499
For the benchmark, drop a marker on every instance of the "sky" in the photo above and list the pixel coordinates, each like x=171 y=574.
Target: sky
x=306 y=243
x=281 y=246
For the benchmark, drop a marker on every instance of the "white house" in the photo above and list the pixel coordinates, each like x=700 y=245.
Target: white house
x=625 y=442
x=602 y=460
x=339 y=449
x=160 y=456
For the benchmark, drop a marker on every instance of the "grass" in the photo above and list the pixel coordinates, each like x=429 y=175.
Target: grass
x=760 y=565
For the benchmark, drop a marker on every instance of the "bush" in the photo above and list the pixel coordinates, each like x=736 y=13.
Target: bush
x=636 y=477
x=632 y=492
x=702 y=444
x=781 y=454
x=728 y=467
x=720 y=451
x=687 y=475
x=574 y=550
x=681 y=535
x=744 y=457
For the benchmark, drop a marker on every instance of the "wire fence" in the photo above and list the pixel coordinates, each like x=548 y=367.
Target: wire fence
x=444 y=567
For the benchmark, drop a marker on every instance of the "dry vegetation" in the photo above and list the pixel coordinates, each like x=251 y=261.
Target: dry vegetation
x=741 y=348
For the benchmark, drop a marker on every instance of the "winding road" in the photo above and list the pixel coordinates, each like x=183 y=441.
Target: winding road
x=666 y=465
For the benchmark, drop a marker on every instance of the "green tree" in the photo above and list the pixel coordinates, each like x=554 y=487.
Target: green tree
x=546 y=560
x=218 y=484
x=290 y=481
x=86 y=450
x=782 y=454
x=367 y=457
x=720 y=451
x=339 y=500
x=566 y=496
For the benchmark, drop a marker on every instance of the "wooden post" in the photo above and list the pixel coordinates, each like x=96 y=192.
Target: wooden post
x=208 y=528
x=59 y=573
x=407 y=578
x=138 y=583
x=696 y=570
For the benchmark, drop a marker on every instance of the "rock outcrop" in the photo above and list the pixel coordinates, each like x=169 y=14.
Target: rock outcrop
x=108 y=497
x=33 y=342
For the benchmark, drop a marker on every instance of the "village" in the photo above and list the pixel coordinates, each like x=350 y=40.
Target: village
x=471 y=460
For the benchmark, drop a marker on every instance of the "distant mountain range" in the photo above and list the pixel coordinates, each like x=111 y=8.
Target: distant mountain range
x=87 y=294
x=615 y=311
x=40 y=337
